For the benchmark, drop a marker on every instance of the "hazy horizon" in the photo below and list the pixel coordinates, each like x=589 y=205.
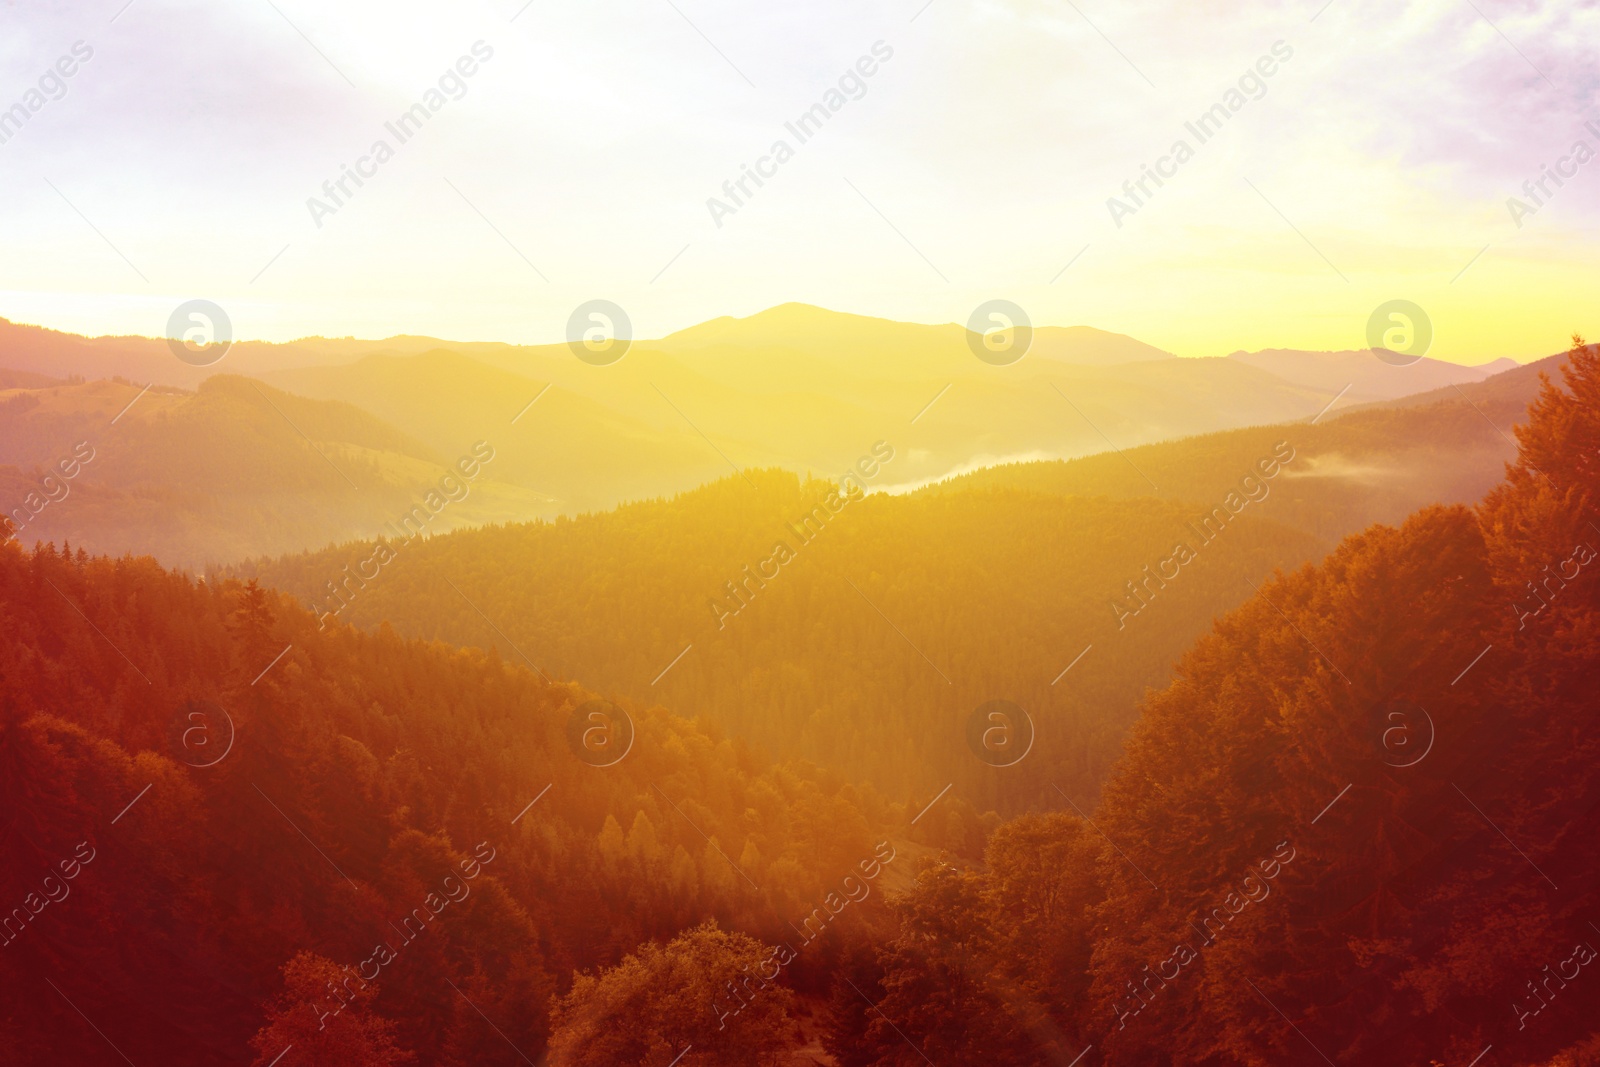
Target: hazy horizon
x=556 y=340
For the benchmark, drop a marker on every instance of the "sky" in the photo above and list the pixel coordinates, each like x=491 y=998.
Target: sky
x=978 y=161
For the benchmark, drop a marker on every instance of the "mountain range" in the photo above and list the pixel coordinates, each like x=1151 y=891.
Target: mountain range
x=794 y=387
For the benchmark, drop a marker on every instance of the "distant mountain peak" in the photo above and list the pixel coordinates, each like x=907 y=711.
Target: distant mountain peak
x=1361 y=375
x=826 y=333
x=778 y=318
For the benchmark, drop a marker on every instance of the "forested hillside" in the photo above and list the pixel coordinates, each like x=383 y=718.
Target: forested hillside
x=858 y=677
x=573 y=446
x=234 y=469
x=866 y=641
x=1372 y=464
x=211 y=809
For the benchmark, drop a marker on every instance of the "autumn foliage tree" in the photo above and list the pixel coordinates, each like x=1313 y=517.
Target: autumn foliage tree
x=325 y=1022
x=708 y=995
x=986 y=964
x=1431 y=882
